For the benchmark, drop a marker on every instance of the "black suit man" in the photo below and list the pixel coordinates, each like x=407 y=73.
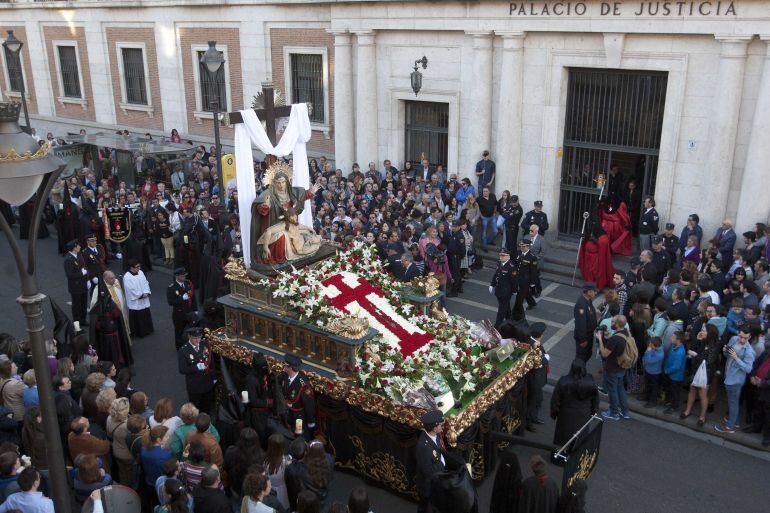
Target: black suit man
x=585 y=322
x=77 y=281
x=431 y=456
x=455 y=253
x=195 y=363
x=648 y=223
x=536 y=216
x=409 y=270
x=503 y=286
x=180 y=295
x=299 y=396
x=512 y=213
x=526 y=268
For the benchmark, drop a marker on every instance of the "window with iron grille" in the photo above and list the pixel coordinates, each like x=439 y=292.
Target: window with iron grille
x=211 y=90
x=133 y=76
x=13 y=66
x=307 y=83
x=70 y=75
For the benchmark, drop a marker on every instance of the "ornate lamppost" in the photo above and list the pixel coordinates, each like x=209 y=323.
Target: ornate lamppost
x=213 y=60
x=416 y=76
x=13 y=46
x=28 y=168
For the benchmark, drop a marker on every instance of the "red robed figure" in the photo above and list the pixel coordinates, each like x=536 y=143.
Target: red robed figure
x=595 y=261
x=617 y=223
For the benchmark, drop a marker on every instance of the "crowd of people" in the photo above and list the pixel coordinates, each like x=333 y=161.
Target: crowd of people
x=689 y=319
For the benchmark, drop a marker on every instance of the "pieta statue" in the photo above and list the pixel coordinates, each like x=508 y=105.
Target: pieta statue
x=276 y=235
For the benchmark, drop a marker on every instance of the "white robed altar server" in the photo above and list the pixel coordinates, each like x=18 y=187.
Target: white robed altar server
x=138 y=294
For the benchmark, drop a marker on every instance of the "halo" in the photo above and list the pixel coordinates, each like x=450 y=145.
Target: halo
x=274 y=169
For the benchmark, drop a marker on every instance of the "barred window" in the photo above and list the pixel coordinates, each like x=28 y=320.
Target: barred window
x=13 y=65
x=307 y=83
x=211 y=90
x=70 y=75
x=133 y=76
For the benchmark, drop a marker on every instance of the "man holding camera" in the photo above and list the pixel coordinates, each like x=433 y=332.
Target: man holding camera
x=611 y=348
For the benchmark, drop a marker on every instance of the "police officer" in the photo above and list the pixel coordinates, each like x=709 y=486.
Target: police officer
x=585 y=322
x=648 y=224
x=299 y=396
x=95 y=258
x=660 y=258
x=512 y=213
x=195 y=362
x=456 y=252
x=670 y=244
x=536 y=216
x=77 y=281
x=431 y=456
x=536 y=378
x=180 y=295
x=526 y=268
x=503 y=286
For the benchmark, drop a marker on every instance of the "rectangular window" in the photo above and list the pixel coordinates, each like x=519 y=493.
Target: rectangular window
x=13 y=66
x=70 y=75
x=307 y=83
x=213 y=92
x=133 y=75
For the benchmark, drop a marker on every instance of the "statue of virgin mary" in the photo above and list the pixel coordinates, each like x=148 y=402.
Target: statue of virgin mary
x=271 y=207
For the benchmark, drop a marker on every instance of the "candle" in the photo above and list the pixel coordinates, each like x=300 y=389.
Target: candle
x=237 y=248
x=245 y=396
x=298 y=426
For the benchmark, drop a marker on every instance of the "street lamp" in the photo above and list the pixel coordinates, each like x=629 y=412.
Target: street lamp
x=213 y=59
x=13 y=46
x=416 y=76
x=27 y=168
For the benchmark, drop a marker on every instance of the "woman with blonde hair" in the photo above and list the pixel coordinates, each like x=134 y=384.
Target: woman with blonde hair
x=188 y=413
x=103 y=403
x=117 y=431
x=94 y=383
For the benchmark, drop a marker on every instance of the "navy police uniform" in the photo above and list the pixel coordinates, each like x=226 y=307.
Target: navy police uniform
x=526 y=267
x=431 y=455
x=585 y=325
x=77 y=283
x=505 y=284
x=535 y=217
x=181 y=297
x=512 y=215
x=299 y=397
x=455 y=253
x=648 y=226
x=195 y=363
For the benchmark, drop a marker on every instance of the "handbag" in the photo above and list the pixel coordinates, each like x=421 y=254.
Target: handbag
x=700 y=379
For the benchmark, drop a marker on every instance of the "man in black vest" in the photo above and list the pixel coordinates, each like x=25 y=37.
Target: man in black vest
x=585 y=322
x=195 y=362
x=180 y=296
x=503 y=286
x=431 y=456
x=299 y=396
x=77 y=281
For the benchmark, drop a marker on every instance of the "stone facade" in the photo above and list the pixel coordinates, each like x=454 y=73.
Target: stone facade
x=501 y=67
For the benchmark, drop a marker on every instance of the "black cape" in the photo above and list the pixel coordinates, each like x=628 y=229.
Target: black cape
x=539 y=495
x=452 y=491
x=574 y=399
x=507 y=487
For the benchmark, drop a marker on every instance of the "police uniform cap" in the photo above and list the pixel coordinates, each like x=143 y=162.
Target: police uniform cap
x=538 y=203
x=525 y=242
x=537 y=329
x=180 y=271
x=194 y=332
x=293 y=360
x=657 y=239
x=669 y=226
x=71 y=244
x=91 y=237
x=504 y=251
x=589 y=286
x=432 y=417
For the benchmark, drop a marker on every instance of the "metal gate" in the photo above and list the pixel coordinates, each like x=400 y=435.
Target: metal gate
x=427 y=132
x=614 y=117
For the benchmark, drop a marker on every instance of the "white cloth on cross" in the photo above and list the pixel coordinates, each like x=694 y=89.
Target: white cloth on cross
x=294 y=140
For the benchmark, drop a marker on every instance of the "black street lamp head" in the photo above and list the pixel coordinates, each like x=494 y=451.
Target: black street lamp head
x=23 y=161
x=12 y=44
x=213 y=58
x=416 y=76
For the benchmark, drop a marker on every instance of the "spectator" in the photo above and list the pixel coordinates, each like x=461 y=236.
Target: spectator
x=276 y=463
x=81 y=441
x=175 y=498
x=88 y=477
x=11 y=388
x=163 y=414
x=202 y=435
x=320 y=472
x=33 y=438
x=195 y=463
x=614 y=374
x=188 y=413
x=740 y=359
x=117 y=431
x=209 y=497
x=297 y=472
x=255 y=488
x=653 y=368
x=673 y=368
x=153 y=455
x=28 y=499
x=307 y=502
x=30 y=393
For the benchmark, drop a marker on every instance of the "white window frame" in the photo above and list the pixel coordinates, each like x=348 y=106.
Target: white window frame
x=313 y=50
x=124 y=105
x=199 y=113
x=7 y=92
x=82 y=101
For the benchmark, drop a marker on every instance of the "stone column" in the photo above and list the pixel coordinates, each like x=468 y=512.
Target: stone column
x=724 y=127
x=508 y=150
x=753 y=206
x=344 y=134
x=170 y=78
x=366 y=99
x=478 y=117
x=99 y=69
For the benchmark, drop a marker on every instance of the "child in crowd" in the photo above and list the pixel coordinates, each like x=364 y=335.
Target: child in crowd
x=673 y=367
x=653 y=368
x=735 y=317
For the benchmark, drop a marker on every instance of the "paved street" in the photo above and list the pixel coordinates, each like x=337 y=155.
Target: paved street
x=645 y=466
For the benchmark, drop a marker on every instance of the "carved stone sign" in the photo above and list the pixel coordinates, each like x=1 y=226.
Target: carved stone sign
x=621 y=9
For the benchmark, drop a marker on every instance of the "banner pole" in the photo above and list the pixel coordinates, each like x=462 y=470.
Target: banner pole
x=580 y=245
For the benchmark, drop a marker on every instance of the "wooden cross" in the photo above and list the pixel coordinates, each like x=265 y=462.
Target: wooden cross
x=268 y=113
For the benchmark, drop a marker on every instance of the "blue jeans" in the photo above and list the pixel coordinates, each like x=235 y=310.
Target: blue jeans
x=733 y=404
x=616 y=391
x=500 y=225
x=486 y=222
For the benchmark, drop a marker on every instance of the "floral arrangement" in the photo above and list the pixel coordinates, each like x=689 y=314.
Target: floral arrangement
x=411 y=349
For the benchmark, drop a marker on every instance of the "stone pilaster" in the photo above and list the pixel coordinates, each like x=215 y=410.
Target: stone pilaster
x=366 y=98
x=344 y=133
x=508 y=151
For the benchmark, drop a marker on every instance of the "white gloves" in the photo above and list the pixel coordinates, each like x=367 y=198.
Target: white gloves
x=201 y=366
x=186 y=296
x=95 y=280
x=82 y=270
x=491 y=289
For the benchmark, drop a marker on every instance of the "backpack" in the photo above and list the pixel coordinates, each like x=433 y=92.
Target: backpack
x=630 y=353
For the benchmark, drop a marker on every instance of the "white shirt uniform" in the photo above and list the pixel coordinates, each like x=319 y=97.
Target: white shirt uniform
x=135 y=287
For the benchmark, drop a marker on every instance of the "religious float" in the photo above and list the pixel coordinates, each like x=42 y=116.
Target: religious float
x=378 y=353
